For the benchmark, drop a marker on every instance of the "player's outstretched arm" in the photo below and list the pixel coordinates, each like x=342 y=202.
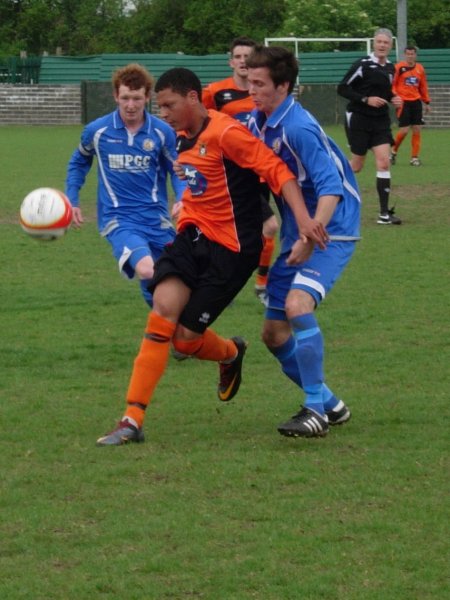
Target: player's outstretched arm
x=311 y=229
x=303 y=248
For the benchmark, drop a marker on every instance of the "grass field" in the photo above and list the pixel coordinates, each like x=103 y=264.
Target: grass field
x=216 y=504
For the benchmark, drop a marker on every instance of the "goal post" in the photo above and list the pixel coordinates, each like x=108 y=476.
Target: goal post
x=296 y=41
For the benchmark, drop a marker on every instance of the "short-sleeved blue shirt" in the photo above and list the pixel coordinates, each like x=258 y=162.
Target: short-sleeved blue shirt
x=132 y=173
x=319 y=164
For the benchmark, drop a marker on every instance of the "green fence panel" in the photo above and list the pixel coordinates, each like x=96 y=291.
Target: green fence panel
x=60 y=70
x=69 y=69
x=315 y=67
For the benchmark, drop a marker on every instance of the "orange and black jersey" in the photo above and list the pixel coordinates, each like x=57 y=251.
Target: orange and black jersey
x=226 y=97
x=410 y=83
x=223 y=164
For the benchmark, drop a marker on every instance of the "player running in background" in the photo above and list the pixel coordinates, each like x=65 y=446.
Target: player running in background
x=291 y=331
x=231 y=97
x=134 y=151
x=410 y=83
x=217 y=245
x=368 y=86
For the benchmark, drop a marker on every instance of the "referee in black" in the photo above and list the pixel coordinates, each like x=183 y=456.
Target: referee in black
x=368 y=87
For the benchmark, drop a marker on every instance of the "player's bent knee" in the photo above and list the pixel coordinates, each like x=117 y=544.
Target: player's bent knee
x=269 y=339
x=299 y=303
x=356 y=166
x=270 y=227
x=145 y=273
x=383 y=166
x=275 y=333
x=145 y=268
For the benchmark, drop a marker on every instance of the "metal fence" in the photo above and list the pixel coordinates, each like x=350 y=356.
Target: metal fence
x=20 y=70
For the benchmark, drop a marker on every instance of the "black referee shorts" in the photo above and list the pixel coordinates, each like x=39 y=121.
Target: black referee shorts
x=214 y=274
x=364 y=133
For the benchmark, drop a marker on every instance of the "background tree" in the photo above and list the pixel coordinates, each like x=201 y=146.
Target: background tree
x=428 y=24
x=77 y=27
x=9 y=13
x=212 y=24
x=333 y=18
x=157 y=26
x=201 y=26
x=95 y=27
x=82 y=27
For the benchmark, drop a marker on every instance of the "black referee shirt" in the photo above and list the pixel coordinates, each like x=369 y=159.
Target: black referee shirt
x=367 y=77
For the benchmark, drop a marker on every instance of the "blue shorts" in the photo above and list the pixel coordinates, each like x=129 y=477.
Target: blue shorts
x=130 y=245
x=316 y=276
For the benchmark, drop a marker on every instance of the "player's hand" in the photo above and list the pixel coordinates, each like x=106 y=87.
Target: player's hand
x=376 y=101
x=179 y=170
x=397 y=101
x=77 y=217
x=300 y=251
x=176 y=208
x=315 y=231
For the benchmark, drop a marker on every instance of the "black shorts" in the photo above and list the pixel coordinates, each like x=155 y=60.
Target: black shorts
x=264 y=192
x=410 y=113
x=365 y=132
x=214 y=273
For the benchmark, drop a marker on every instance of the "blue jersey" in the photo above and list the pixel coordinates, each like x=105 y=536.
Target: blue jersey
x=320 y=166
x=132 y=173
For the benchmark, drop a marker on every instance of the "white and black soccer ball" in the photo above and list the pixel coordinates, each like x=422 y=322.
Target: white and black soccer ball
x=45 y=214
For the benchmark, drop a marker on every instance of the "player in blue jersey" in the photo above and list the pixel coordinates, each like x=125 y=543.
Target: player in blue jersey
x=291 y=331
x=134 y=152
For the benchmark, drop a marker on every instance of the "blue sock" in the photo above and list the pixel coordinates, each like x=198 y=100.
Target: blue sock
x=309 y=355
x=285 y=354
x=147 y=295
x=329 y=399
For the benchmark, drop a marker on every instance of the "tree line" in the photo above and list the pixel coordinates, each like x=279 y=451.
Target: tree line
x=85 y=27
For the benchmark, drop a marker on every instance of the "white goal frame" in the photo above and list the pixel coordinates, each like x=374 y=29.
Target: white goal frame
x=297 y=40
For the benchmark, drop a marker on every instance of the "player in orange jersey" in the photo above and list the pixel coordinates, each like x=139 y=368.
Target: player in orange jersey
x=231 y=96
x=410 y=83
x=217 y=246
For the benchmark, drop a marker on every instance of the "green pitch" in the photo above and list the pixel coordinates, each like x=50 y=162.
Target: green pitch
x=216 y=504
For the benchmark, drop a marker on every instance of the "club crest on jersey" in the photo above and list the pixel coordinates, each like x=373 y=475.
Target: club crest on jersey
x=202 y=150
x=196 y=181
x=276 y=145
x=148 y=145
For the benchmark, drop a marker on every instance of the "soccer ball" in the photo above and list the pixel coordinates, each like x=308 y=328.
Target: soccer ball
x=45 y=214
